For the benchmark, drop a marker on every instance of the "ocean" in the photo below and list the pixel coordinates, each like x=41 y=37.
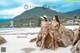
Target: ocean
x=4 y=20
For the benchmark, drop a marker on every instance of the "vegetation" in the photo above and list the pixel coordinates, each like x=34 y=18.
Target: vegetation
x=31 y=17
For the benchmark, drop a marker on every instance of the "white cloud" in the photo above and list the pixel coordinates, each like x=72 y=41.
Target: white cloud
x=28 y=2
x=10 y=13
x=50 y=0
x=4 y=3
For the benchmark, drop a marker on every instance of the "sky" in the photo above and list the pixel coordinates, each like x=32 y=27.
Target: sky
x=12 y=8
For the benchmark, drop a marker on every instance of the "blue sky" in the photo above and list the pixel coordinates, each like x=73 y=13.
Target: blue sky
x=12 y=8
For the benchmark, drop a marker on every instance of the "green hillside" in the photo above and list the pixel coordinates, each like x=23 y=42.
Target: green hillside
x=31 y=17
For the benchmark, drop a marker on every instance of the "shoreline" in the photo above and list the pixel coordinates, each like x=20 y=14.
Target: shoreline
x=26 y=31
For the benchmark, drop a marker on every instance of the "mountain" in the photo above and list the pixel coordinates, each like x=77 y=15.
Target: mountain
x=31 y=17
x=36 y=12
x=74 y=13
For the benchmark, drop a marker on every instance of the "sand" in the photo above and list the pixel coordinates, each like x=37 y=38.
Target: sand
x=18 y=41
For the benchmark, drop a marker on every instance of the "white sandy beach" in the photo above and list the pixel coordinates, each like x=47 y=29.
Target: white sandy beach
x=18 y=39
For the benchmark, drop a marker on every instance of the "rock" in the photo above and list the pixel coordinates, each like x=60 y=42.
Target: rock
x=67 y=37
x=2 y=40
x=76 y=42
x=53 y=35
